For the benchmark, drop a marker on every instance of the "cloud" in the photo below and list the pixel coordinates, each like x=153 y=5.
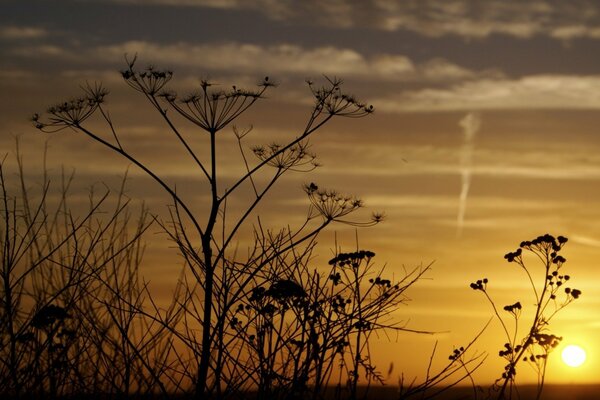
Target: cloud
x=481 y=203
x=15 y=75
x=273 y=9
x=575 y=32
x=22 y=32
x=245 y=57
x=293 y=59
x=529 y=92
x=431 y=18
x=435 y=18
x=234 y=57
x=568 y=162
x=439 y=69
x=470 y=125
x=44 y=50
x=585 y=240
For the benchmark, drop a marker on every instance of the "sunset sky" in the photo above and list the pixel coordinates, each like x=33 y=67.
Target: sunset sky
x=485 y=133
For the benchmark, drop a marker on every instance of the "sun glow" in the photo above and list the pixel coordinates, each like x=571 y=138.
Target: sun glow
x=573 y=355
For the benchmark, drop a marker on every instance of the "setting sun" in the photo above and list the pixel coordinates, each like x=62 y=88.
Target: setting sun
x=573 y=355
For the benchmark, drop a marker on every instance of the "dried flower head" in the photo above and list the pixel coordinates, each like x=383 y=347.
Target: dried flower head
x=353 y=259
x=48 y=315
x=330 y=204
x=284 y=289
x=295 y=158
x=330 y=99
x=514 y=308
x=481 y=284
x=212 y=110
x=73 y=112
x=149 y=81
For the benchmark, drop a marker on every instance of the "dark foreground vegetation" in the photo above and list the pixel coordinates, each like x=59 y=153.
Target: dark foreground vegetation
x=266 y=322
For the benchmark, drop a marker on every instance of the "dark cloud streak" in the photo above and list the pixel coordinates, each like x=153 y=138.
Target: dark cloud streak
x=76 y=25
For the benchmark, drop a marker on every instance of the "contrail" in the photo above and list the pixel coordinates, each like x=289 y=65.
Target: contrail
x=470 y=124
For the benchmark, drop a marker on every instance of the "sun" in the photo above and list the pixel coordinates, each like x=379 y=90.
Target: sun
x=573 y=355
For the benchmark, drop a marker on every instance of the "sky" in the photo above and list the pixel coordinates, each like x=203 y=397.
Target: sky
x=485 y=132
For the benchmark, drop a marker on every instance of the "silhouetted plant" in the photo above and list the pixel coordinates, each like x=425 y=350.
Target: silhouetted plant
x=55 y=283
x=262 y=321
x=551 y=295
x=460 y=366
x=308 y=330
x=205 y=240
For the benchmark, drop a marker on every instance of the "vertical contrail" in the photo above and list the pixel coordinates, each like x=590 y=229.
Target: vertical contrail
x=470 y=124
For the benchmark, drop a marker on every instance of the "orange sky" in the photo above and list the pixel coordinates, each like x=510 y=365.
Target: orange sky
x=528 y=72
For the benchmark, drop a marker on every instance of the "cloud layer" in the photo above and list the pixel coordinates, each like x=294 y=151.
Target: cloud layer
x=433 y=18
x=529 y=92
x=434 y=85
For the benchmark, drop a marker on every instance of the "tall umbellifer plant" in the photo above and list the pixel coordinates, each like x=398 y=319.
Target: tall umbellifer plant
x=206 y=238
x=530 y=342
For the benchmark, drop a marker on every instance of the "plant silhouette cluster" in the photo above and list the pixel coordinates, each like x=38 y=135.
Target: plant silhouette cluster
x=269 y=322
x=68 y=292
x=551 y=295
x=308 y=331
x=265 y=321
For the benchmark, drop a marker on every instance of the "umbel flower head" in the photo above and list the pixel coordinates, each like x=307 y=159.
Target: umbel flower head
x=149 y=80
x=330 y=204
x=481 y=284
x=285 y=288
x=330 y=99
x=73 y=112
x=296 y=158
x=213 y=109
x=352 y=259
x=48 y=315
x=513 y=308
x=333 y=206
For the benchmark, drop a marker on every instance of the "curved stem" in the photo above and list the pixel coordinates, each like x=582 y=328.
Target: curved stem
x=310 y=129
x=147 y=170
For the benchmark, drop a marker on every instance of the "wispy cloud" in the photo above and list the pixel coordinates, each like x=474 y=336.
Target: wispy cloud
x=479 y=203
x=244 y=58
x=464 y=18
x=433 y=18
x=567 y=162
x=289 y=58
x=470 y=125
x=45 y=51
x=22 y=32
x=585 y=240
x=499 y=170
x=529 y=92
x=575 y=31
x=13 y=74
